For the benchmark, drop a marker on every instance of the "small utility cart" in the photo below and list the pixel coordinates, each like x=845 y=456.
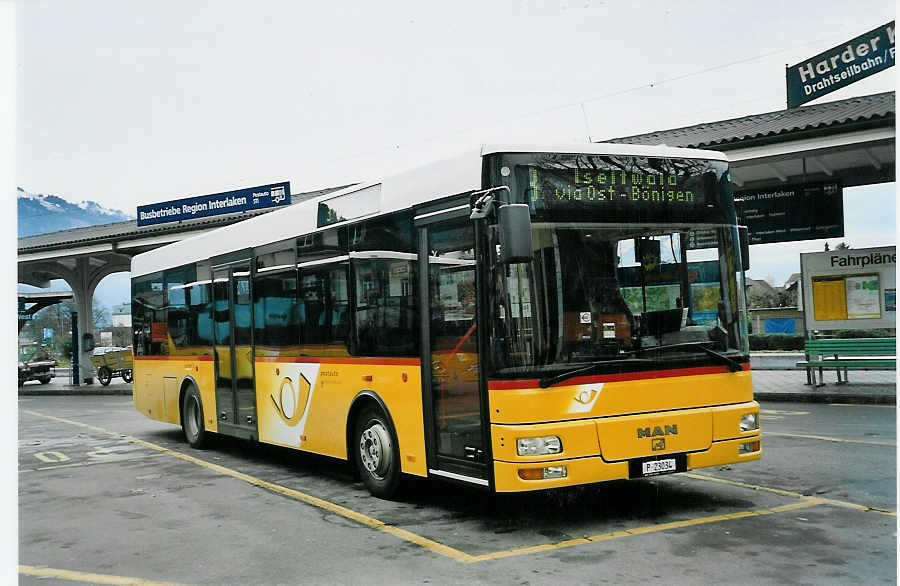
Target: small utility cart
x=111 y=361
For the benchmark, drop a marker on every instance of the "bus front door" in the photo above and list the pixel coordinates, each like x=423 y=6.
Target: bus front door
x=450 y=365
x=235 y=392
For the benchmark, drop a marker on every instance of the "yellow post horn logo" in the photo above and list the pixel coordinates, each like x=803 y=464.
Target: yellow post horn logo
x=291 y=401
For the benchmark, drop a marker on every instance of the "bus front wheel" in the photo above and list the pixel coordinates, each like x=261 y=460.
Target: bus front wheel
x=192 y=419
x=377 y=453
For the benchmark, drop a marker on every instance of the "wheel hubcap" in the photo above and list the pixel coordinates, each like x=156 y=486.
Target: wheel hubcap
x=375 y=450
x=193 y=417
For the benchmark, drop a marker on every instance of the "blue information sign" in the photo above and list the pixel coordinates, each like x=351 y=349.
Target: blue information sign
x=242 y=200
x=841 y=66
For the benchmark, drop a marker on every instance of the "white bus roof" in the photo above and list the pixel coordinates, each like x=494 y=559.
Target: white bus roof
x=444 y=178
x=608 y=148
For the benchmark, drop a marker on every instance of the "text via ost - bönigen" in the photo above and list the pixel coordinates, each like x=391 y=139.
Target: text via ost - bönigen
x=621 y=185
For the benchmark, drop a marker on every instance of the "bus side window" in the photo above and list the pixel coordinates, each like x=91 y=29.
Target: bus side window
x=200 y=320
x=384 y=319
x=149 y=319
x=322 y=309
x=275 y=314
x=337 y=303
x=178 y=317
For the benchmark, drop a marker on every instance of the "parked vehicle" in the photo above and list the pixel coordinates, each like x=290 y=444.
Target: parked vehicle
x=112 y=361
x=35 y=363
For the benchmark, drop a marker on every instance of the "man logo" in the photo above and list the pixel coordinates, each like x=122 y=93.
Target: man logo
x=657 y=431
x=658 y=444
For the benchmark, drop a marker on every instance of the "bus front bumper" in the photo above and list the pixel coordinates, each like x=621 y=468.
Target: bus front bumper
x=513 y=476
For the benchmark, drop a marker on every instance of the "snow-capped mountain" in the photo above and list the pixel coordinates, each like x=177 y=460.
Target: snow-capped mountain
x=39 y=213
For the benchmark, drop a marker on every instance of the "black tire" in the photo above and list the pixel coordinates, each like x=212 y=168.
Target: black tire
x=127 y=375
x=376 y=452
x=104 y=375
x=192 y=423
x=45 y=380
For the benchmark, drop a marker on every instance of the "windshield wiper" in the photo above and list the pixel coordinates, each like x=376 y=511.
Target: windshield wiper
x=549 y=380
x=733 y=365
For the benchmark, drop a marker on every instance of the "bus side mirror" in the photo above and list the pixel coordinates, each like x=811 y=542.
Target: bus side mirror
x=515 y=233
x=744 y=237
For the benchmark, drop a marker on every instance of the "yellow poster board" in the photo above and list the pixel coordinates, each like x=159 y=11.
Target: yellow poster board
x=829 y=299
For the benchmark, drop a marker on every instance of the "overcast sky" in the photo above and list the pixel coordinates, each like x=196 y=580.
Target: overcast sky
x=128 y=103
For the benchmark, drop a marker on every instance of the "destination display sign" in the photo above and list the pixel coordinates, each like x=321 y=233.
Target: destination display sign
x=241 y=200
x=666 y=190
x=805 y=211
x=612 y=185
x=838 y=67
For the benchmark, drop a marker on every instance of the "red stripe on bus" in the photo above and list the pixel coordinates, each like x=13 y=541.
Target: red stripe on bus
x=498 y=385
x=337 y=360
x=188 y=358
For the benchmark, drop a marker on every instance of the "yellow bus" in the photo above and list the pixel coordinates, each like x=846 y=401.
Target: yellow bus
x=512 y=318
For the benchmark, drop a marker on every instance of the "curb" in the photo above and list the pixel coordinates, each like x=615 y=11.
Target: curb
x=74 y=392
x=826 y=397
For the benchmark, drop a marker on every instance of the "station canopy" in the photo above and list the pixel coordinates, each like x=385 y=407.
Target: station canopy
x=851 y=141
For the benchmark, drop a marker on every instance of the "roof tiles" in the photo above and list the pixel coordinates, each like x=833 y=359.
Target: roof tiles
x=772 y=124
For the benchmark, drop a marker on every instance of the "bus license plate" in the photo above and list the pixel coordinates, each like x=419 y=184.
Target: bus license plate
x=658 y=466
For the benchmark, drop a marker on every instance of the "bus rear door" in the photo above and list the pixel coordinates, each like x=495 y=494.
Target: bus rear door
x=233 y=324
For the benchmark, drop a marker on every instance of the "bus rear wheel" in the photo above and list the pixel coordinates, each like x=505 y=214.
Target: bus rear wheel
x=192 y=419
x=377 y=453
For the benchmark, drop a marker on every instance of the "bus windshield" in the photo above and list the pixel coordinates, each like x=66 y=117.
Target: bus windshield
x=619 y=298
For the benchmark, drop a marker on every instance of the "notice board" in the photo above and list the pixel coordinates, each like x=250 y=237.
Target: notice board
x=787 y=213
x=850 y=289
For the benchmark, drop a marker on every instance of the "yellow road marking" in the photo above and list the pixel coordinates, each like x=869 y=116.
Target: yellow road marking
x=819 y=500
x=76 y=576
x=93 y=462
x=647 y=529
x=861 y=405
x=50 y=457
x=832 y=439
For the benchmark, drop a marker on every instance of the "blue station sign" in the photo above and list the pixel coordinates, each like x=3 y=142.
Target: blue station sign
x=229 y=202
x=839 y=67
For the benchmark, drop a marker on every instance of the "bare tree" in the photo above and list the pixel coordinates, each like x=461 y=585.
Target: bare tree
x=102 y=317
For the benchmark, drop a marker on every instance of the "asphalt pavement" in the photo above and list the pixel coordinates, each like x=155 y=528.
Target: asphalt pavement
x=109 y=496
x=870 y=387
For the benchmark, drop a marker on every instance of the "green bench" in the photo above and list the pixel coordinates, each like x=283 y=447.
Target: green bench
x=845 y=354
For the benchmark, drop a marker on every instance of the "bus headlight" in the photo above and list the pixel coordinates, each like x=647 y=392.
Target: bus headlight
x=538 y=446
x=750 y=421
